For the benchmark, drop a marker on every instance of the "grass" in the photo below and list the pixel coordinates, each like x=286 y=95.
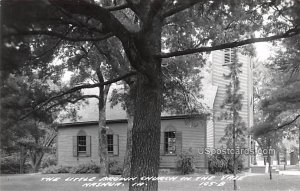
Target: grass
x=250 y=182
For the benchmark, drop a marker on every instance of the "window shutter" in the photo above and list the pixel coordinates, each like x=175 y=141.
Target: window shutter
x=178 y=136
x=88 y=146
x=116 y=144
x=162 y=143
x=227 y=55
x=75 y=152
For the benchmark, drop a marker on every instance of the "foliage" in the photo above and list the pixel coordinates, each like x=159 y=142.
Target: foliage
x=185 y=163
x=49 y=160
x=219 y=163
x=21 y=93
x=79 y=169
x=115 y=167
x=183 y=85
x=56 y=169
x=277 y=91
x=277 y=97
x=11 y=165
x=232 y=104
x=92 y=63
x=85 y=169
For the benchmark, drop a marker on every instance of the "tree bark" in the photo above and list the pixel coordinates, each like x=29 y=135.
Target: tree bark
x=269 y=159
x=128 y=154
x=36 y=158
x=102 y=131
x=277 y=156
x=37 y=155
x=147 y=110
x=22 y=159
x=234 y=123
x=299 y=144
x=254 y=157
x=234 y=147
x=36 y=165
x=146 y=134
x=130 y=86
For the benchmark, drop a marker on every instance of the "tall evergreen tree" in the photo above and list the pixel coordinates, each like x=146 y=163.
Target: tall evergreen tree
x=235 y=131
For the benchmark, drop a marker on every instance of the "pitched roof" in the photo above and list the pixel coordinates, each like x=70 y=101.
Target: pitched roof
x=89 y=112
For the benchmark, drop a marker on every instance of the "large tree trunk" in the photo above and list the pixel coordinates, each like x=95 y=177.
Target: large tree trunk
x=128 y=154
x=129 y=103
x=147 y=110
x=146 y=134
x=103 y=145
x=102 y=132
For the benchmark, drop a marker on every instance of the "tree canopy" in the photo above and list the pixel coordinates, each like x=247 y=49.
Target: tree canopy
x=278 y=94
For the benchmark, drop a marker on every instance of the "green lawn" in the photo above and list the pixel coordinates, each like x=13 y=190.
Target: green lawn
x=248 y=183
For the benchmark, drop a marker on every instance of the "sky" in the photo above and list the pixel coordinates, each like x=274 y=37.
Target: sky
x=263 y=50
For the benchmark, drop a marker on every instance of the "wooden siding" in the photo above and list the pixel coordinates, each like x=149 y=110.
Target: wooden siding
x=65 y=144
x=245 y=87
x=210 y=133
x=193 y=138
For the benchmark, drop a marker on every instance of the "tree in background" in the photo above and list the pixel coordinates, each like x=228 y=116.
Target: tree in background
x=22 y=92
x=89 y=66
x=278 y=102
x=35 y=134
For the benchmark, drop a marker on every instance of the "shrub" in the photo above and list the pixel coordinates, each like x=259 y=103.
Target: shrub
x=185 y=163
x=115 y=168
x=56 y=169
x=219 y=163
x=11 y=165
x=49 y=160
x=89 y=168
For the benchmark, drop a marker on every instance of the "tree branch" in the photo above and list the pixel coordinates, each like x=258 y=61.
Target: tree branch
x=72 y=101
x=52 y=48
x=97 y=12
x=285 y=124
x=267 y=128
x=111 y=24
x=77 y=88
x=117 y=7
x=180 y=6
x=289 y=33
x=59 y=35
x=50 y=140
x=76 y=21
